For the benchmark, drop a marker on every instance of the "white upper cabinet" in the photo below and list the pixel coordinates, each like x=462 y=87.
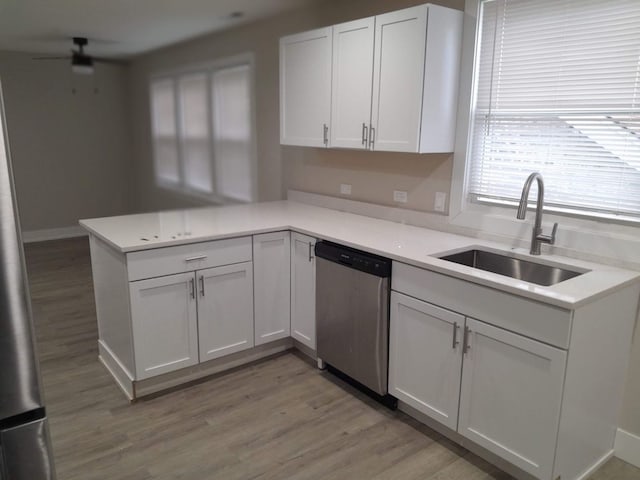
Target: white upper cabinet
x=415 y=79
x=272 y=286
x=398 y=80
x=394 y=82
x=305 y=88
x=352 y=71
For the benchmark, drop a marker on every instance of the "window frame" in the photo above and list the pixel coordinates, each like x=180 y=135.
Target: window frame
x=208 y=67
x=597 y=238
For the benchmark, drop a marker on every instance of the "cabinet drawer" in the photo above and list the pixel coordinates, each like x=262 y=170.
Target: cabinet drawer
x=185 y=258
x=532 y=319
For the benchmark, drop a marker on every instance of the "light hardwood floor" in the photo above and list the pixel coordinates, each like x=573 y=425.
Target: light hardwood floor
x=276 y=419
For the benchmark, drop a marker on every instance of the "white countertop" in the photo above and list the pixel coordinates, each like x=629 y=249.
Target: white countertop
x=404 y=243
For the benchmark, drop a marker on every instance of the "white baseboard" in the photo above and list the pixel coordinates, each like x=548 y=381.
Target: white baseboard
x=31 y=236
x=627 y=447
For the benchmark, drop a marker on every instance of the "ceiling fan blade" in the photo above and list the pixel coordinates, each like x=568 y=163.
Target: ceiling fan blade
x=51 y=58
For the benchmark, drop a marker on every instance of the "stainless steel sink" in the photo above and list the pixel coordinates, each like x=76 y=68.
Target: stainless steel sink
x=517 y=268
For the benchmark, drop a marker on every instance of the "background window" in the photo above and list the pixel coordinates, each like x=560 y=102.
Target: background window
x=557 y=90
x=202 y=129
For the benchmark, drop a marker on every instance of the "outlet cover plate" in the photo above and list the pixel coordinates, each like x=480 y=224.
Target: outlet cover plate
x=399 y=196
x=345 y=189
x=441 y=199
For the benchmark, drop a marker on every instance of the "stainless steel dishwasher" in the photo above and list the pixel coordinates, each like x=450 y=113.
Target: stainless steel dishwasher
x=352 y=316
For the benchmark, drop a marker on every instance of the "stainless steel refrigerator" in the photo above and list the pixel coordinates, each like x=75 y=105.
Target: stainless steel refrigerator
x=25 y=451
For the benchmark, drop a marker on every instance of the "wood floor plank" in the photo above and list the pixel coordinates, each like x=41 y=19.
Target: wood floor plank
x=276 y=419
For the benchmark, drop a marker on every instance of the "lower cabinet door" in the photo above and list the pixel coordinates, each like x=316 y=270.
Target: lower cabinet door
x=425 y=357
x=511 y=396
x=303 y=290
x=272 y=286
x=165 y=325
x=225 y=310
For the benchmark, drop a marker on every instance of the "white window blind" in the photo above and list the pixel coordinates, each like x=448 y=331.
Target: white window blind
x=195 y=128
x=232 y=135
x=202 y=131
x=165 y=136
x=558 y=91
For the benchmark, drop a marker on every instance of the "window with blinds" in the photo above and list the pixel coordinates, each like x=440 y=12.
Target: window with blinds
x=557 y=90
x=202 y=130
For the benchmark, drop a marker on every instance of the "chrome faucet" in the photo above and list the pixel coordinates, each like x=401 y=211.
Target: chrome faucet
x=537 y=237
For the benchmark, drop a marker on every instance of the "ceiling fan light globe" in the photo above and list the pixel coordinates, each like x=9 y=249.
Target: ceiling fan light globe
x=82 y=64
x=82 y=69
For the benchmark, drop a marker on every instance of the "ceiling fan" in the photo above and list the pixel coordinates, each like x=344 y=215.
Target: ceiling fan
x=81 y=62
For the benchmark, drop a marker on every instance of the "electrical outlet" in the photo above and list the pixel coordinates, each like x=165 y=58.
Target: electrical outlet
x=441 y=199
x=399 y=196
x=345 y=189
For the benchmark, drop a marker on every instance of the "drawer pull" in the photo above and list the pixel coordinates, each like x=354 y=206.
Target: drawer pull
x=193 y=259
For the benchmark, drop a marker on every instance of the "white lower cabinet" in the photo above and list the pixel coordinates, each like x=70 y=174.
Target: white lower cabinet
x=225 y=310
x=511 y=396
x=272 y=286
x=164 y=324
x=501 y=390
x=303 y=289
x=425 y=357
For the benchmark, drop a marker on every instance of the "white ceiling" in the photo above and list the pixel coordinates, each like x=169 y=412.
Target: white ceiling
x=120 y=28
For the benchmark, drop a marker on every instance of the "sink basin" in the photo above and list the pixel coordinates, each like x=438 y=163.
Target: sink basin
x=517 y=268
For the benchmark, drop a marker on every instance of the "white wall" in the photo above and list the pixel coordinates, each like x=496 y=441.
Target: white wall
x=281 y=168
x=70 y=152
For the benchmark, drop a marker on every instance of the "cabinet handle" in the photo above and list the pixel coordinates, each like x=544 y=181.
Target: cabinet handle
x=325 y=134
x=193 y=259
x=372 y=135
x=455 y=335
x=202 y=285
x=310 y=251
x=365 y=134
x=192 y=283
x=465 y=341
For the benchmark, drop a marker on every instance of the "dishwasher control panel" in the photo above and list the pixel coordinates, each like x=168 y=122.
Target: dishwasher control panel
x=363 y=261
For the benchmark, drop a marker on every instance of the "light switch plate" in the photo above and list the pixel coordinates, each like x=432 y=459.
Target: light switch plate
x=399 y=196
x=345 y=189
x=441 y=199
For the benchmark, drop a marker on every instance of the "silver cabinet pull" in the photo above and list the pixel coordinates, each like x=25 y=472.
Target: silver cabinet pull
x=193 y=259
x=365 y=134
x=325 y=134
x=310 y=251
x=202 y=285
x=455 y=335
x=192 y=284
x=372 y=136
x=465 y=341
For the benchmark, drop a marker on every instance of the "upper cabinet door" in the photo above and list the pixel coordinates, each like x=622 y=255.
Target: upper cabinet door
x=165 y=324
x=272 y=286
x=305 y=88
x=351 y=85
x=398 y=78
x=511 y=396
